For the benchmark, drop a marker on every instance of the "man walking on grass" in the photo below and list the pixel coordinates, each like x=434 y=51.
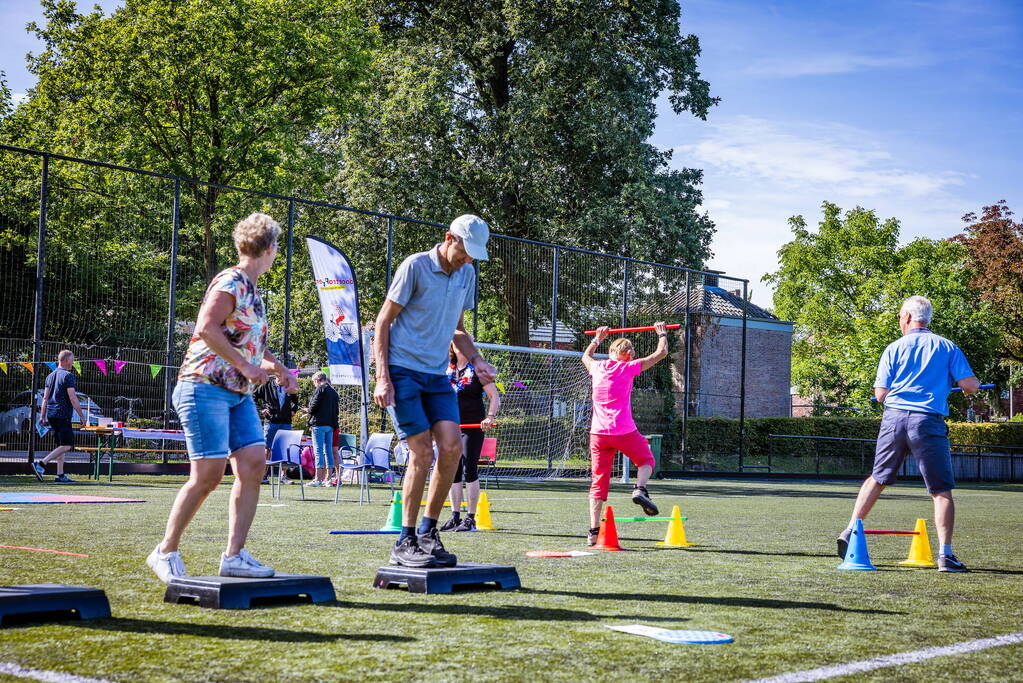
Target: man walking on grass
x=59 y=399
x=913 y=380
x=420 y=318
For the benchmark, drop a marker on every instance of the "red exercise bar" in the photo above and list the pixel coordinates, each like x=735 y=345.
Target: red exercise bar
x=645 y=328
x=883 y=531
x=478 y=425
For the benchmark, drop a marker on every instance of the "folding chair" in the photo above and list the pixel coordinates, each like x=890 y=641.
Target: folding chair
x=488 y=461
x=376 y=457
x=348 y=449
x=285 y=450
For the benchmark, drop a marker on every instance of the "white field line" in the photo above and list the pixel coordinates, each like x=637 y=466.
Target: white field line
x=12 y=669
x=897 y=659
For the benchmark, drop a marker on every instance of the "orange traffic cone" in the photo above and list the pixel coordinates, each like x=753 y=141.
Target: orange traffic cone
x=607 y=538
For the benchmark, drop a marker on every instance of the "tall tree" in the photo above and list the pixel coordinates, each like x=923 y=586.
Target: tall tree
x=225 y=93
x=537 y=116
x=995 y=244
x=843 y=284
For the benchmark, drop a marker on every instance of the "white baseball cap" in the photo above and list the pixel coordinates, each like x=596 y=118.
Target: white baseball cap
x=474 y=233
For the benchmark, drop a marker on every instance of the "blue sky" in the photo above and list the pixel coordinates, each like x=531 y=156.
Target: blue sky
x=911 y=108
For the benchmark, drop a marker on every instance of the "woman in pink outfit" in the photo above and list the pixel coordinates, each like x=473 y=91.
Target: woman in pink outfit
x=613 y=428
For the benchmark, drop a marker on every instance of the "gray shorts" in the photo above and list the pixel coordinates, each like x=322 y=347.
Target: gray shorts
x=925 y=435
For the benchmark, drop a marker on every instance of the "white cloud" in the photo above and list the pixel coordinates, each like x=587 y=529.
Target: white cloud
x=834 y=63
x=758 y=173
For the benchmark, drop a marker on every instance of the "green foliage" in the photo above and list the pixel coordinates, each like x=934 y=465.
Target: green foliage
x=843 y=285
x=536 y=116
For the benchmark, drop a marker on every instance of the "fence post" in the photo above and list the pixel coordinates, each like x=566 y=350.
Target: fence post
x=390 y=251
x=554 y=341
x=168 y=376
x=742 y=380
x=286 y=343
x=476 y=302
x=37 y=328
x=688 y=389
x=625 y=295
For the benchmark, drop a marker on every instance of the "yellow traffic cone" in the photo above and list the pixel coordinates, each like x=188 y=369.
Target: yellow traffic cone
x=483 y=521
x=920 y=548
x=676 y=536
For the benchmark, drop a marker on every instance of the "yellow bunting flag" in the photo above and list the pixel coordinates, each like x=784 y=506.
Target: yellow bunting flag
x=3 y=366
x=78 y=367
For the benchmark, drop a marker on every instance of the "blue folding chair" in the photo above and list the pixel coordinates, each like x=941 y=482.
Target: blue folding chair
x=286 y=449
x=375 y=457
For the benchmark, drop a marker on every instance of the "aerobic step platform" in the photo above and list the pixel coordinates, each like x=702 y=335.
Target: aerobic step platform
x=60 y=600
x=228 y=592
x=446 y=579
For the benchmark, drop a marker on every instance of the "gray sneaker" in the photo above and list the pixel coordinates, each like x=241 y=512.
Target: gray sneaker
x=430 y=543
x=38 y=470
x=407 y=553
x=641 y=497
x=843 y=542
x=950 y=563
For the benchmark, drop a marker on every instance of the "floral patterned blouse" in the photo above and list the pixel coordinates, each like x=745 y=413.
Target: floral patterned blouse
x=245 y=327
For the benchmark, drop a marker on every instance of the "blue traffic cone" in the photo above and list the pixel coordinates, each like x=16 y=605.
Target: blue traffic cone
x=856 y=556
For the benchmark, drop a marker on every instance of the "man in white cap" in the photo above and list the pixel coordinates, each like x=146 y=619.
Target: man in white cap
x=422 y=315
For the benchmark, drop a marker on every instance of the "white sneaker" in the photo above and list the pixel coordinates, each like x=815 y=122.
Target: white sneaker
x=166 y=565
x=315 y=482
x=244 y=565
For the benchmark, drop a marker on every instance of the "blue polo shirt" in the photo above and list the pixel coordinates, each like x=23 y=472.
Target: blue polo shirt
x=432 y=302
x=919 y=369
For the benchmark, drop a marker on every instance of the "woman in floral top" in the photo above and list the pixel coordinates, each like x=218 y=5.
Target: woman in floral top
x=226 y=359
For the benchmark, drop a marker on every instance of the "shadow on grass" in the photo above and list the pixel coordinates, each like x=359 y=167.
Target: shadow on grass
x=519 y=612
x=227 y=632
x=708 y=600
x=732 y=551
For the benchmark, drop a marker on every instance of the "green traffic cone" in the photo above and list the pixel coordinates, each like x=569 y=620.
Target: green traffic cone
x=394 y=516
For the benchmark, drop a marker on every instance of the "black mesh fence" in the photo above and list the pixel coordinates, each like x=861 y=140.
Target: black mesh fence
x=127 y=255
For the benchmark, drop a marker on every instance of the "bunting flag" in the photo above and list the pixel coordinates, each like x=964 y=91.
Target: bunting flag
x=78 y=367
x=27 y=366
x=51 y=365
x=119 y=365
x=102 y=365
x=500 y=386
x=154 y=370
x=326 y=370
x=3 y=366
x=520 y=385
x=294 y=373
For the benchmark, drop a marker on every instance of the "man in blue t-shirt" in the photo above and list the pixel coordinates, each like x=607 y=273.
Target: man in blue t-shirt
x=59 y=399
x=913 y=381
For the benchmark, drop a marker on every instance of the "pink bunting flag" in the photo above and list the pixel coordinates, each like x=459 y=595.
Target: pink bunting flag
x=519 y=385
x=119 y=365
x=294 y=373
x=102 y=365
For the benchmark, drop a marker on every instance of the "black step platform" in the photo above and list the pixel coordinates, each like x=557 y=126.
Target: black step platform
x=446 y=579
x=228 y=592
x=53 y=599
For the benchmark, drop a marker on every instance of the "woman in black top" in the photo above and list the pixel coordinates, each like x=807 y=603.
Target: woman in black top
x=323 y=410
x=472 y=411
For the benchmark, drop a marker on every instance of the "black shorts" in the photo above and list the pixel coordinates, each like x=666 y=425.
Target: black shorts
x=63 y=433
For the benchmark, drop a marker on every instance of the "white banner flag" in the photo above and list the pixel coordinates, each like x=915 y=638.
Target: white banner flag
x=339 y=304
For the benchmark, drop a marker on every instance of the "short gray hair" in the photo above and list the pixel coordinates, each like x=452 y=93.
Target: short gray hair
x=919 y=309
x=255 y=233
x=319 y=376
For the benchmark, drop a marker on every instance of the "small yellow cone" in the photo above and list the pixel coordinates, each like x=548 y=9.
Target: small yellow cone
x=483 y=521
x=920 y=548
x=676 y=536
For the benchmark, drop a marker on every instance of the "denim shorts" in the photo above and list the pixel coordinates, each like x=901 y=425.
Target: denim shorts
x=925 y=435
x=217 y=422
x=420 y=400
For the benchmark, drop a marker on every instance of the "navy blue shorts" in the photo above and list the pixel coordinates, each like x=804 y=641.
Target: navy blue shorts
x=421 y=399
x=63 y=432
x=925 y=435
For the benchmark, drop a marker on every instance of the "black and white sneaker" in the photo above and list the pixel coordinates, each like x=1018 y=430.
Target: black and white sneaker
x=467 y=524
x=451 y=524
x=591 y=537
x=38 y=470
x=950 y=563
x=408 y=554
x=63 y=479
x=843 y=542
x=430 y=543
x=641 y=497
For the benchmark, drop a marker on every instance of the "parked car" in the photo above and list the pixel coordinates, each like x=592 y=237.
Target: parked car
x=16 y=419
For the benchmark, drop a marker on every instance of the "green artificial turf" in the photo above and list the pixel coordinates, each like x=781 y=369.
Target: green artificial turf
x=764 y=571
